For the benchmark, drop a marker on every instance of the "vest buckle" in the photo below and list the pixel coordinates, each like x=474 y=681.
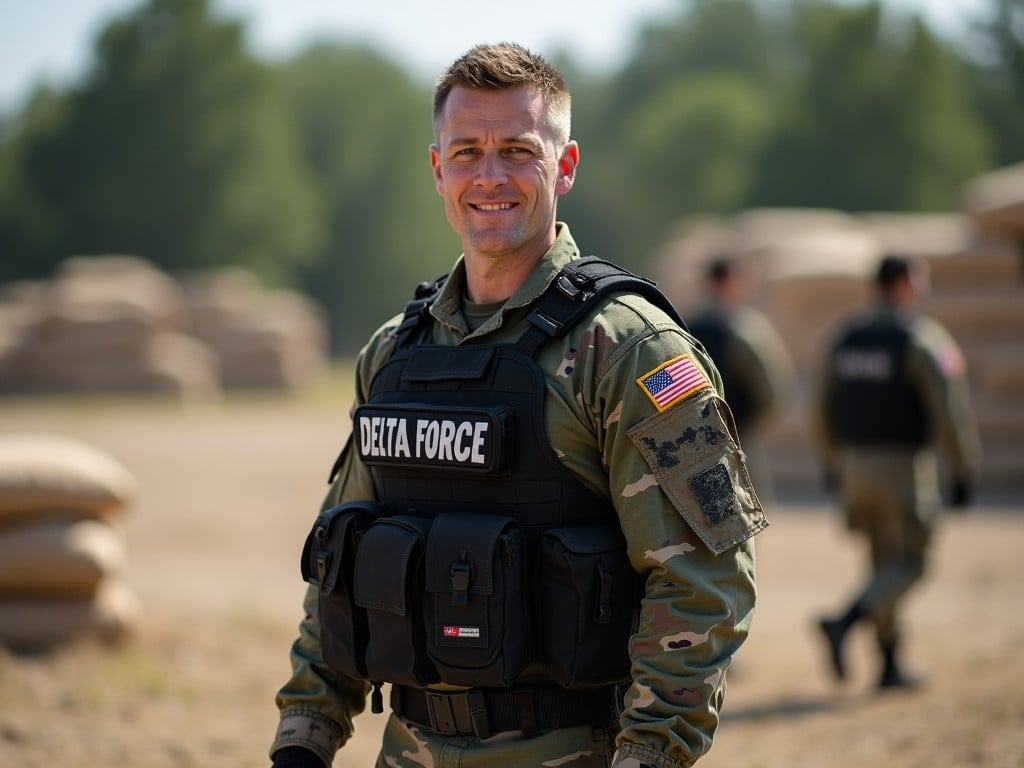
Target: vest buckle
x=461 y=575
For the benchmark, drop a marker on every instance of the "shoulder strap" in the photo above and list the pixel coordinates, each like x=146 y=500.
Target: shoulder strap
x=416 y=312
x=571 y=293
x=563 y=303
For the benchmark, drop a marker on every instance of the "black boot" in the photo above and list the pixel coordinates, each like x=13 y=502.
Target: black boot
x=893 y=677
x=835 y=632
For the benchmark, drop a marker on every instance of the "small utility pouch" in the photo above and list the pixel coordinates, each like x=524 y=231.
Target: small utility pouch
x=328 y=562
x=478 y=617
x=587 y=605
x=389 y=588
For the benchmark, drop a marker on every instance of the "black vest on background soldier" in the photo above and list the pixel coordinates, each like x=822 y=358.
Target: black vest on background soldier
x=756 y=368
x=876 y=403
x=893 y=393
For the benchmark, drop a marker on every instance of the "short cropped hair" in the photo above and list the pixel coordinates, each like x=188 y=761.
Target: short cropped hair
x=501 y=66
x=721 y=268
x=891 y=270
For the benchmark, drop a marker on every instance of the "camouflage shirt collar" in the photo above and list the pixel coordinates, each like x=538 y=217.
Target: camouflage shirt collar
x=447 y=309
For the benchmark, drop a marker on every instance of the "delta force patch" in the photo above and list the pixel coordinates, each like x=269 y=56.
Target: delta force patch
x=672 y=382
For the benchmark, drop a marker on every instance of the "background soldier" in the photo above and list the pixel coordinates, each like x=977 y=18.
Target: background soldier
x=756 y=368
x=600 y=438
x=894 y=387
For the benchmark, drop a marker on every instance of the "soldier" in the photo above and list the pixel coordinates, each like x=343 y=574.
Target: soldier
x=894 y=389
x=757 y=371
x=540 y=531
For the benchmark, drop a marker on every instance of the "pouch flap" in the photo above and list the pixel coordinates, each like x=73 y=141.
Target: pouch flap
x=437 y=363
x=589 y=539
x=329 y=538
x=389 y=551
x=460 y=551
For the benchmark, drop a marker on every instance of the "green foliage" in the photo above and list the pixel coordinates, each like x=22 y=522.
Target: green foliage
x=183 y=148
x=175 y=149
x=996 y=58
x=871 y=105
x=722 y=114
x=366 y=130
x=25 y=218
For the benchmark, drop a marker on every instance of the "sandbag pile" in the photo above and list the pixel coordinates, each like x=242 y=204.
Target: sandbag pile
x=995 y=201
x=109 y=323
x=62 y=549
x=263 y=339
x=812 y=269
x=119 y=324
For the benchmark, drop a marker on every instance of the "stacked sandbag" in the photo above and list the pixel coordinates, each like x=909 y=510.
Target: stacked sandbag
x=995 y=201
x=106 y=324
x=17 y=300
x=62 y=550
x=263 y=339
x=813 y=268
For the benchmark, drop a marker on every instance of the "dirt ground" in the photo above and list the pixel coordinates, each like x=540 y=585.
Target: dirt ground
x=228 y=491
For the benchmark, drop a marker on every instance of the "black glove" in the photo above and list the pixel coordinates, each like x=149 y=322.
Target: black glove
x=961 y=494
x=296 y=757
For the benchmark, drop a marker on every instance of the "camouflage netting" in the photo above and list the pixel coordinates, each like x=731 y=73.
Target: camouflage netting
x=62 y=548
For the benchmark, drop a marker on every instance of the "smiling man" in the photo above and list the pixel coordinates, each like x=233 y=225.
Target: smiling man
x=540 y=534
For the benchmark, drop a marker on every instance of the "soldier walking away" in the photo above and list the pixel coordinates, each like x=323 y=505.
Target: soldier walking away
x=540 y=533
x=893 y=395
x=756 y=368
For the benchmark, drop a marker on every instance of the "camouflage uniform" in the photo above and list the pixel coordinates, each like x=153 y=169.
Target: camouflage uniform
x=891 y=493
x=690 y=537
x=757 y=374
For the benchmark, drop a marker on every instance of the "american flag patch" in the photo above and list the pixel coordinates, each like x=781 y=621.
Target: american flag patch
x=673 y=381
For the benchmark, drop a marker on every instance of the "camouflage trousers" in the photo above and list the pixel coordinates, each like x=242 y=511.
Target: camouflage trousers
x=409 y=746
x=892 y=499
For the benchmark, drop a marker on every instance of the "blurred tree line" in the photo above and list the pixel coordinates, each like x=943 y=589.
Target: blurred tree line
x=184 y=148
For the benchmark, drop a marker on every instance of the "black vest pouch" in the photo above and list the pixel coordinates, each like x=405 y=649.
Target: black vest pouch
x=328 y=563
x=478 y=620
x=389 y=587
x=583 y=635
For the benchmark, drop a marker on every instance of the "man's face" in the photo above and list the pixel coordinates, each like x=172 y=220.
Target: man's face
x=497 y=166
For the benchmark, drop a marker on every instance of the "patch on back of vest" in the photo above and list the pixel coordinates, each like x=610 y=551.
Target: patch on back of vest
x=411 y=435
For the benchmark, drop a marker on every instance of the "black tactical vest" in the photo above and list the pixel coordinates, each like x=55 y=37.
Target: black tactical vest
x=715 y=335
x=874 y=403
x=483 y=554
x=474 y=414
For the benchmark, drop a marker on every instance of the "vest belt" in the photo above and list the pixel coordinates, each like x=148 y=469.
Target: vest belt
x=483 y=711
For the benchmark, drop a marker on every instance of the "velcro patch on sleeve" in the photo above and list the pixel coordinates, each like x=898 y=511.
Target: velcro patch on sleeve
x=701 y=469
x=672 y=382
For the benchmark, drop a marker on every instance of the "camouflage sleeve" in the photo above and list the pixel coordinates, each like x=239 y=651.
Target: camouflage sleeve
x=938 y=365
x=760 y=357
x=316 y=704
x=688 y=512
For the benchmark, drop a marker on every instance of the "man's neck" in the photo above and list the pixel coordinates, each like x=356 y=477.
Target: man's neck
x=491 y=280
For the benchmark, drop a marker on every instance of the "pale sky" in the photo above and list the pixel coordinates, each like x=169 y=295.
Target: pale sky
x=52 y=40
